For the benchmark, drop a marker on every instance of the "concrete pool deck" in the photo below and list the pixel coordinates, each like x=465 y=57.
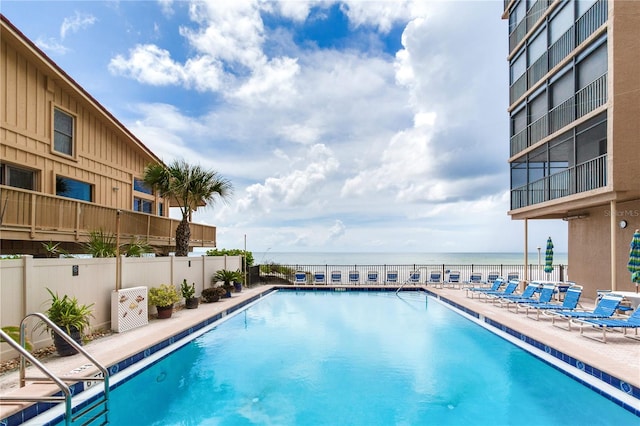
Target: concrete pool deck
x=620 y=357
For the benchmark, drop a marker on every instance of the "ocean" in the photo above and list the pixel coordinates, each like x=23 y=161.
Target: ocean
x=399 y=258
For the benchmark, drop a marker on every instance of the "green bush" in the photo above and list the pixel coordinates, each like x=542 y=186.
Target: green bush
x=212 y=294
x=165 y=295
x=232 y=252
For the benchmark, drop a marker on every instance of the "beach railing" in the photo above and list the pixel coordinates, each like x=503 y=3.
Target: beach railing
x=398 y=274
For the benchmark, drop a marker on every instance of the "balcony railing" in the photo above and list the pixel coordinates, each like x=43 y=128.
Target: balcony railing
x=586 y=176
x=33 y=216
x=583 y=102
x=586 y=25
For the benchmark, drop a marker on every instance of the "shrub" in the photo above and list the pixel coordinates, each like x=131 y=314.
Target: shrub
x=212 y=294
x=165 y=295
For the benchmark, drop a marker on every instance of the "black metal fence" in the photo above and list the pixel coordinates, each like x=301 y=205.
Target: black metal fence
x=393 y=274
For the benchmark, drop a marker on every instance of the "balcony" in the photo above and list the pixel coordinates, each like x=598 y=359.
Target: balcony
x=587 y=99
x=586 y=25
x=589 y=175
x=33 y=216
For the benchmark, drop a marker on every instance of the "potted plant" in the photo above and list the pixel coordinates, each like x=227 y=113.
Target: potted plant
x=67 y=313
x=163 y=298
x=213 y=294
x=188 y=292
x=227 y=277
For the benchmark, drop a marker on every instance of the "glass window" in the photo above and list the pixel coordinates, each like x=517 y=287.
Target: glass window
x=537 y=47
x=518 y=174
x=17 y=177
x=562 y=89
x=538 y=164
x=71 y=188
x=538 y=107
x=160 y=209
x=62 y=132
x=518 y=67
x=517 y=14
x=559 y=155
x=561 y=22
x=142 y=205
x=592 y=66
x=591 y=143
x=584 y=5
x=140 y=186
x=518 y=121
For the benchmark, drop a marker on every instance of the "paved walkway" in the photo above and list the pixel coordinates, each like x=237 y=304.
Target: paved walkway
x=619 y=357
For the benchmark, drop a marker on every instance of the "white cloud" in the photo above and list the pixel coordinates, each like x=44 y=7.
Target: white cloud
x=52 y=46
x=148 y=64
x=73 y=24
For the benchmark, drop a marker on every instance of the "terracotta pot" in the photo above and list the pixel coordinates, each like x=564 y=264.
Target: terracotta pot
x=164 y=312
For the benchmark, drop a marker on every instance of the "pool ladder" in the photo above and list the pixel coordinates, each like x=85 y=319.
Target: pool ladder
x=411 y=279
x=95 y=412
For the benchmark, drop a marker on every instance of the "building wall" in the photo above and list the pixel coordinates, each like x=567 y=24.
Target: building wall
x=590 y=247
x=625 y=107
x=106 y=155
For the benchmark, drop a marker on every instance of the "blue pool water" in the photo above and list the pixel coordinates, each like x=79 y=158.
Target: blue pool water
x=356 y=358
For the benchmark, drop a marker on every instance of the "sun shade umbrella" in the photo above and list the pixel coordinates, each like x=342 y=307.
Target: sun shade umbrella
x=634 y=259
x=548 y=257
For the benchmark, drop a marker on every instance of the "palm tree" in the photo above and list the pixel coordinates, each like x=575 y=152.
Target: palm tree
x=189 y=187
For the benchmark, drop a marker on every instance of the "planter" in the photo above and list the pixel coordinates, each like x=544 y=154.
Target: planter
x=228 y=292
x=237 y=287
x=164 y=312
x=191 y=303
x=63 y=347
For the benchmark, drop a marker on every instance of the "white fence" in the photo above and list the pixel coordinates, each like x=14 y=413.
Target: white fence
x=24 y=283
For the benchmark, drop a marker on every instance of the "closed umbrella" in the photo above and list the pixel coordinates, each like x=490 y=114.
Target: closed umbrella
x=634 y=259
x=548 y=257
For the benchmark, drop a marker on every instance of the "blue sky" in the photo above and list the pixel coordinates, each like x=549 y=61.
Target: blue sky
x=343 y=126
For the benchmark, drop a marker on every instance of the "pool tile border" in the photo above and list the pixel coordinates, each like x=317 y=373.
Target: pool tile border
x=560 y=356
x=40 y=407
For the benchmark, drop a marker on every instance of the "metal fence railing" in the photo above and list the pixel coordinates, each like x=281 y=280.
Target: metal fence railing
x=398 y=274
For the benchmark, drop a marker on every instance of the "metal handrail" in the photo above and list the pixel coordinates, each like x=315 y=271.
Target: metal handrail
x=59 y=381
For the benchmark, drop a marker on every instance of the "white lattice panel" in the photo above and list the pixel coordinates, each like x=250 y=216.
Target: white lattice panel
x=129 y=309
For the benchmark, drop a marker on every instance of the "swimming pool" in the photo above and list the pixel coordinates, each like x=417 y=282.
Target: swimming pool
x=354 y=358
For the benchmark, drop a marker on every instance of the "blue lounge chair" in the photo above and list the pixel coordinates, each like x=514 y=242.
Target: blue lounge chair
x=607 y=324
x=414 y=277
x=492 y=276
x=569 y=303
x=319 y=277
x=497 y=283
x=300 y=277
x=336 y=277
x=527 y=294
x=392 y=277
x=454 y=278
x=435 y=277
x=372 y=277
x=475 y=279
x=509 y=289
x=354 y=277
x=513 y=276
x=545 y=296
x=605 y=308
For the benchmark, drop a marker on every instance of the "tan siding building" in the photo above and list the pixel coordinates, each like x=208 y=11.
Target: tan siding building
x=575 y=128
x=67 y=165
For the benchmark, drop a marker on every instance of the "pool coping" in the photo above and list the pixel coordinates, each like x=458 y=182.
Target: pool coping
x=601 y=377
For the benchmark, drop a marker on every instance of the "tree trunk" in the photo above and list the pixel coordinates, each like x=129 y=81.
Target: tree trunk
x=183 y=235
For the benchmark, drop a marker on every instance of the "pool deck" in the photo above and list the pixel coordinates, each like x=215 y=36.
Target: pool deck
x=619 y=357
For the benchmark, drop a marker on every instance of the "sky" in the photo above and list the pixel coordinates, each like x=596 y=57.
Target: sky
x=366 y=126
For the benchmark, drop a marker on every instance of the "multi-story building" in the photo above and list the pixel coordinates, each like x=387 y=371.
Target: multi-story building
x=68 y=167
x=574 y=107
